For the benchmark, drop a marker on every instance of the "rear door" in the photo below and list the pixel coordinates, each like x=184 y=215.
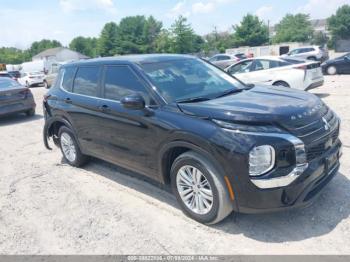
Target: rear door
x=129 y=137
x=81 y=105
x=263 y=71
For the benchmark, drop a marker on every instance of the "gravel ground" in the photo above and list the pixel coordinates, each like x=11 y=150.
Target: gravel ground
x=48 y=207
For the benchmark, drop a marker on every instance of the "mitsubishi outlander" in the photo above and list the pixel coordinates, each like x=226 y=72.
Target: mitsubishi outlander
x=221 y=144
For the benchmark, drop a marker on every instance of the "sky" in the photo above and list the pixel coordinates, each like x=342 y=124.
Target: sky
x=23 y=22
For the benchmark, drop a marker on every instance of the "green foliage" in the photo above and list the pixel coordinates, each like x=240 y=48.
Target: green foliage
x=163 y=43
x=11 y=55
x=339 y=23
x=319 y=38
x=217 y=42
x=85 y=45
x=250 y=32
x=151 y=31
x=294 y=28
x=42 y=45
x=107 y=43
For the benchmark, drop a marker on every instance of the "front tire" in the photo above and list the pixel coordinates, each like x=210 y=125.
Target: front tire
x=331 y=70
x=30 y=112
x=70 y=149
x=199 y=189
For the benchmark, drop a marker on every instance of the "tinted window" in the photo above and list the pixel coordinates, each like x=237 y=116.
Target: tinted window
x=243 y=67
x=262 y=64
x=86 y=81
x=68 y=76
x=120 y=81
x=223 y=57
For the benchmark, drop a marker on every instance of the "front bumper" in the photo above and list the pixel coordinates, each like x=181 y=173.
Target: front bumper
x=302 y=192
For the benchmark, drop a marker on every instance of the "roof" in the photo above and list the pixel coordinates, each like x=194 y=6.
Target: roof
x=137 y=59
x=55 y=51
x=318 y=22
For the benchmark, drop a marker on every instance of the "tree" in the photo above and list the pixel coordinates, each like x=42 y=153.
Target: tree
x=11 y=55
x=217 y=41
x=107 y=43
x=151 y=31
x=339 y=23
x=183 y=37
x=85 y=45
x=42 y=45
x=319 y=38
x=294 y=28
x=163 y=42
x=251 y=32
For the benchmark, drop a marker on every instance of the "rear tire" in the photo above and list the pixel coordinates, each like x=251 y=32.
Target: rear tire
x=30 y=112
x=205 y=199
x=331 y=70
x=46 y=85
x=70 y=149
x=312 y=58
x=281 y=83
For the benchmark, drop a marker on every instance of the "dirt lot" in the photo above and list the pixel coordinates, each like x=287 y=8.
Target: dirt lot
x=47 y=207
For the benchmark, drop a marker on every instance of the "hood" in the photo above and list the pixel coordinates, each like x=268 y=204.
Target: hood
x=261 y=104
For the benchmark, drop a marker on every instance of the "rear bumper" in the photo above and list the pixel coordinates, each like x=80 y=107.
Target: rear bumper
x=314 y=85
x=301 y=193
x=18 y=107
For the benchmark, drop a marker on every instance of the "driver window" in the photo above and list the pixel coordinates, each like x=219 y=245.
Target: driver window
x=243 y=67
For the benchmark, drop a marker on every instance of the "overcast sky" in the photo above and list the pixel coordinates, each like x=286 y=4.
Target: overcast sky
x=23 y=22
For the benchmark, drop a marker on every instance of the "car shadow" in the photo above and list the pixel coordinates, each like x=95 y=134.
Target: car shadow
x=14 y=119
x=331 y=207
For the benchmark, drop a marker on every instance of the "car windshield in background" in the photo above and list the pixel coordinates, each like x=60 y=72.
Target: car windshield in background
x=8 y=83
x=178 y=80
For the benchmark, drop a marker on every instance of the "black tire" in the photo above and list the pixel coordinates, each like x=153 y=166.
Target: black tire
x=27 y=84
x=46 y=85
x=30 y=112
x=221 y=205
x=80 y=159
x=281 y=83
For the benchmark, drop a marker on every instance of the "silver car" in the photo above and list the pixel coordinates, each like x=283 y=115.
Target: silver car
x=315 y=53
x=225 y=60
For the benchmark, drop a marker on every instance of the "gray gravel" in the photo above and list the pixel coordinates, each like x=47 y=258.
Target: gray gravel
x=48 y=207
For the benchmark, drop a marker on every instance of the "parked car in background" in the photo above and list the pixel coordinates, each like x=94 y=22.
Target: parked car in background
x=315 y=53
x=340 y=65
x=220 y=144
x=15 y=98
x=52 y=74
x=225 y=60
x=279 y=71
x=31 y=79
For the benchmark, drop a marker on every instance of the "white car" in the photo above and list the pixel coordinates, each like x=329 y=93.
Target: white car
x=225 y=60
x=30 y=79
x=315 y=53
x=279 y=71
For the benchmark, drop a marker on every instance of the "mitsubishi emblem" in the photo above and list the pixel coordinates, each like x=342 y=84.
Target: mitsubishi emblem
x=326 y=125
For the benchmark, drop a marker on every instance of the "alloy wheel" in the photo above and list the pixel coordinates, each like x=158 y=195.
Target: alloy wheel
x=194 y=190
x=68 y=147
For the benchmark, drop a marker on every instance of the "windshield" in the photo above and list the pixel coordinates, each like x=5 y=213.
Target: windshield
x=8 y=83
x=189 y=78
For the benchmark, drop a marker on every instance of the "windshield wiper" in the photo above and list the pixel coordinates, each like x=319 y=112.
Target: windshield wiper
x=193 y=99
x=229 y=92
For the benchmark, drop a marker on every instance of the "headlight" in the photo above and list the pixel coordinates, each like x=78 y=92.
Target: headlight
x=247 y=128
x=261 y=160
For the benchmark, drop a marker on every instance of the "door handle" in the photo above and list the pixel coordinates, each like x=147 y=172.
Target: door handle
x=68 y=100
x=104 y=108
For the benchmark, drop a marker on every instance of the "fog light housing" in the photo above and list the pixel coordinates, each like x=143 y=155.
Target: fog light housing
x=261 y=160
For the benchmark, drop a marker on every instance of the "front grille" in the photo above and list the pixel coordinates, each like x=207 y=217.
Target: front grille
x=316 y=137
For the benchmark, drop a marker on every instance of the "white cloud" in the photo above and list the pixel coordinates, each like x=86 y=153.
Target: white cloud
x=321 y=8
x=203 y=8
x=264 y=11
x=84 y=5
x=179 y=9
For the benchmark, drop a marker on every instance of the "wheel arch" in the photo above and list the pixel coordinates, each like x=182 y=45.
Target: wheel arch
x=52 y=127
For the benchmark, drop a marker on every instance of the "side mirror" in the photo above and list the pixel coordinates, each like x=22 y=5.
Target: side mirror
x=133 y=102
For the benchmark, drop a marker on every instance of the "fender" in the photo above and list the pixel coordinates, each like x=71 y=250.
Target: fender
x=48 y=125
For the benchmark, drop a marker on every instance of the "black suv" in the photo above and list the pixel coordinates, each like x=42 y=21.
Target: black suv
x=221 y=144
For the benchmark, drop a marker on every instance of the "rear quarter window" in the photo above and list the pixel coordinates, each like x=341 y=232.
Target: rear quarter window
x=67 y=77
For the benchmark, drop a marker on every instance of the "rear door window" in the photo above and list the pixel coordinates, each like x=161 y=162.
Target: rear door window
x=243 y=67
x=86 y=81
